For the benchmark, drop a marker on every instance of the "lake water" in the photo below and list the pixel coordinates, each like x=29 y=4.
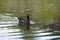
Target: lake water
x=9 y=30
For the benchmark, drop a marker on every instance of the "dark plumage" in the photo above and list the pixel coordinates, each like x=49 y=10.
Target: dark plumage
x=23 y=21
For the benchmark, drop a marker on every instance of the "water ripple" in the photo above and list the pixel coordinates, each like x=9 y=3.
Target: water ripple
x=9 y=31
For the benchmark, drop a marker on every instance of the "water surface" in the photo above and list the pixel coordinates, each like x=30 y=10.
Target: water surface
x=9 y=30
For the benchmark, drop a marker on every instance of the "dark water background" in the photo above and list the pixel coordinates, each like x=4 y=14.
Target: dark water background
x=9 y=30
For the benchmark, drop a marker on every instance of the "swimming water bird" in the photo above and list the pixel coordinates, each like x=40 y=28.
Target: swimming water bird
x=26 y=21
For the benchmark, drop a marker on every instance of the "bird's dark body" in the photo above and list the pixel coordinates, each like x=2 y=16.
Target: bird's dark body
x=26 y=21
x=23 y=21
